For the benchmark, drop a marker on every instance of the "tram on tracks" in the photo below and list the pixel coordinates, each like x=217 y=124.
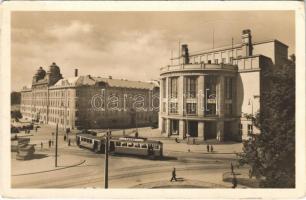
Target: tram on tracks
x=122 y=145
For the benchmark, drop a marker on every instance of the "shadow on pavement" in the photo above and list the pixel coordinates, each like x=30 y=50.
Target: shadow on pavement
x=38 y=156
x=164 y=158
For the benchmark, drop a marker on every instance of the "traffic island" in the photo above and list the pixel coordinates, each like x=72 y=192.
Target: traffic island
x=180 y=183
x=242 y=179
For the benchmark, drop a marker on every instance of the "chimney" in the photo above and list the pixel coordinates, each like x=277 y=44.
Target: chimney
x=247 y=47
x=185 y=54
x=75 y=72
x=110 y=77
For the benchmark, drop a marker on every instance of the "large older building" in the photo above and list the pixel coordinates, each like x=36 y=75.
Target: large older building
x=89 y=102
x=212 y=94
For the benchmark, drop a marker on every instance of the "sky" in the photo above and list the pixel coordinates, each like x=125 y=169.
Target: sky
x=130 y=45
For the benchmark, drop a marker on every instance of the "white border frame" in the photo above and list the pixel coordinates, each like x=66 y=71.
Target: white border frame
x=5 y=88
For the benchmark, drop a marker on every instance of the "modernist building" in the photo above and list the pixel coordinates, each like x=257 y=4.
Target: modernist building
x=89 y=102
x=211 y=94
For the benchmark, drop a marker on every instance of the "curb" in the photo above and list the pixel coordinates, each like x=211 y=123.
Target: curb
x=83 y=161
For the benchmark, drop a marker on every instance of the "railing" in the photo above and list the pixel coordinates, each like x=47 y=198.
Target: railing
x=249 y=63
x=201 y=66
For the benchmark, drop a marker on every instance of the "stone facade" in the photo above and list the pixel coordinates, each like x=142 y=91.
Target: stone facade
x=225 y=86
x=89 y=102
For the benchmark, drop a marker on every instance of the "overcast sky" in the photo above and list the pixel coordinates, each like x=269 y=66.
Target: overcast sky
x=129 y=45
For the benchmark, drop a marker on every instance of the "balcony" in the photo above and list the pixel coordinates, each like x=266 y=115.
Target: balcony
x=198 y=67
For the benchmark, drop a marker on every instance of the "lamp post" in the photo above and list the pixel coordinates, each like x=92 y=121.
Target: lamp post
x=251 y=103
x=108 y=134
x=56 y=143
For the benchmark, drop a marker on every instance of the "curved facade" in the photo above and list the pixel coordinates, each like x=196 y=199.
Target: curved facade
x=197 y=101
x=214 y=94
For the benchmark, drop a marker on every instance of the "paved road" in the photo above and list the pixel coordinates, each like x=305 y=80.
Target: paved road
x=124 y=172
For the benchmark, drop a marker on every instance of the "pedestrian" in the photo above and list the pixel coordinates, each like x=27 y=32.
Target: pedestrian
x=41 y=145
x=36 y=129
x=64 y=137
x=173 y=175
x=49 y=144
x=207 y=147
x=211 y=148
x=69 y=142
x=136 y=134
x=250 y=173
x=52 y=142
x=232 y=168
x=234 y=182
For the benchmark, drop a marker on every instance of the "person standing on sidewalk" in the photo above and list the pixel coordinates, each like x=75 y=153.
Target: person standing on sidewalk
x=234 y=182
x=211 y=148
x=49 y=144
x=173 y=175
x=207 y=147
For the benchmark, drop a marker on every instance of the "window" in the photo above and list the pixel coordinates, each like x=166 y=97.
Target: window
x=223 y=60
x=216 y=61
x=231 y=60
x=118 y=144
x=228 y=87
x=250 y=129
x=209 y=61
x=137 y=145
x=164 y=82
x=130 y=144
x=191 y=87
x=173 y=87
x=210 y=95
x=156 y=146
x=124 y=144
x=191 y=108
x=144 y=146
x=173 y=107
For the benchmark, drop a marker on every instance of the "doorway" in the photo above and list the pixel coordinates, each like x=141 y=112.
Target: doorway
x=193 y=128
x=174 y=127
x=210 y=130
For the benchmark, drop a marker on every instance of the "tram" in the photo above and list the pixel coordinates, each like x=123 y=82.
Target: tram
x=122 y=145
x=137 y=146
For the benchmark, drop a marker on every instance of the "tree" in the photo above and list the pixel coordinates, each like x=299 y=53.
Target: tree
x=16 y=114
x=15 y=98
x=271 y=154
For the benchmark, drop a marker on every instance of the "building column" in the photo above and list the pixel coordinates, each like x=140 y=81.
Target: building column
x=160 y=123
x=200 y=92
x=221 y=97
x=168 y=124
x=181 y=94
x=220 y=131
x=201 y=133
x=167 y=96
x=182 y=128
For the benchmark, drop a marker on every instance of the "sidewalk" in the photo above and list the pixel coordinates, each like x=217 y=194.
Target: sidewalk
x=43 y=161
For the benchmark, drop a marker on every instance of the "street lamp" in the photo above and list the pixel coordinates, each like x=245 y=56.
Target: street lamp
x=251 y=103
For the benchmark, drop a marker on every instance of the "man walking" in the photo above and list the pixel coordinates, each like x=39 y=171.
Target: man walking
x=173 y=175
x=207 y=147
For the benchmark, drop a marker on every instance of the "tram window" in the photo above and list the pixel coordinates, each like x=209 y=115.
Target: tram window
x=130 y=144
x=137 y=145
x=144 y=146
x=123 y=144
x=156 y=146
x=118 y=144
